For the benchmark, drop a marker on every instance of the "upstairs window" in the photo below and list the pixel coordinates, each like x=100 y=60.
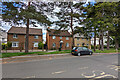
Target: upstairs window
x=67 y=38
x=60 y=37
x=15 y=36
x=54 y=37
x=35 y=37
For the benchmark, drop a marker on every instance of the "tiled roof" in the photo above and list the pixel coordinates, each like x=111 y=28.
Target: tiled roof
x=53 y=32
x=22 y=30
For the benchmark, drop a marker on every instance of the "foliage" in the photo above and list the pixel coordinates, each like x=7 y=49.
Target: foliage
x=111 y=50
x=4 y=46
x=9 y=44
x=40 y=45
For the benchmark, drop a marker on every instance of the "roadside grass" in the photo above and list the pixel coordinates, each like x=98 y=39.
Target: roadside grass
x=4 y=55
x=56 y=52
x=112 y=50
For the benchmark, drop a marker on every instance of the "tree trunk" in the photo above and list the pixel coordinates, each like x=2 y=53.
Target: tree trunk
x=100 y=41
x=108 y=41
x=95 y=41
x=27 y=34
x=116 y=43
x=71 y=26
x=102 y=44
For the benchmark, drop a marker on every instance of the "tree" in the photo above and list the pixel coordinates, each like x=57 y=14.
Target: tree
x=68 y=14
x=21 y=13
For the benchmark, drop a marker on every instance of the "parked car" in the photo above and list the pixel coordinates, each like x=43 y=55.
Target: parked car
x=81 y=51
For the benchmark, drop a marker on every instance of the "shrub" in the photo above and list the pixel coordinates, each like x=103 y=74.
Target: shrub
x=4 y=46
x=92 y=47
x=9 y=45
x=40 y=45
x=105 y=46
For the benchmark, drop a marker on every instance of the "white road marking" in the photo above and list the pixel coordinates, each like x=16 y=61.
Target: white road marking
x=116 y=68
x=59 y=72
x=102 y=75
x=83 y=68
x=106 y=76
x=31 y=77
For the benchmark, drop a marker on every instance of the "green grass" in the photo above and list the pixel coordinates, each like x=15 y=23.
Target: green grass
x=55 y=52
x=37 y=53
x=106 y=51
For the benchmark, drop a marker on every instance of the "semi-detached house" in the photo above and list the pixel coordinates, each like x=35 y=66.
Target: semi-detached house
x=53 y=38
x=17 y=35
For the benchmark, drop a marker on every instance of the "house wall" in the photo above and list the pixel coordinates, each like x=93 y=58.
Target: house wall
x=81 y=41
x=21 y=40
x=50 y=42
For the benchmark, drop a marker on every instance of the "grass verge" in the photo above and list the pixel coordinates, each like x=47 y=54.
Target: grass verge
x=4 y=55
x=106 y=51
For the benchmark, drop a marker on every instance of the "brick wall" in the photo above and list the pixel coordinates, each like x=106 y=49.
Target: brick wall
x=83 y=40
x=50 y=42
x=21 y=40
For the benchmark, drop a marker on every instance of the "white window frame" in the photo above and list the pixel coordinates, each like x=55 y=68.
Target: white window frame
x=67 y=44
x=60 y=37
x=35 y=43
x=54 y=44
x=53 y=37
x=67 y=38
x=15 y=36
x=36 y=37
x=17 y=44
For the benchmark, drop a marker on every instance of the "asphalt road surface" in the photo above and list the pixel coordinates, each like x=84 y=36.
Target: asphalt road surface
x=95 y=66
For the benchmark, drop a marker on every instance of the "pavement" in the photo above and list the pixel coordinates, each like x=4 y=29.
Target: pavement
x=65 y=66
x=24 y=58
x=13 y=51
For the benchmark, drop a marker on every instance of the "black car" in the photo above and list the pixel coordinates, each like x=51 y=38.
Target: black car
x=81 y=51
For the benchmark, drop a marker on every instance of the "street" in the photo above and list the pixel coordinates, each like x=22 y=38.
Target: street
x=86 y=66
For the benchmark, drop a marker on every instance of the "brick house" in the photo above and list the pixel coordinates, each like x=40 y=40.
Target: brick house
x=80 y=40
x=53 y=38
x=17 y=35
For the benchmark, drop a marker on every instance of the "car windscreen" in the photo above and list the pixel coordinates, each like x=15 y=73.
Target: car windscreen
x=75 y=48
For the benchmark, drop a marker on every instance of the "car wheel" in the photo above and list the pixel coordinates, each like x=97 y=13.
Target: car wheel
x=79 y=54
x=90 y=53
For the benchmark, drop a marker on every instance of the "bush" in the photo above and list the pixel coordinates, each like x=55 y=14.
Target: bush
x=9 y=44
x=53 y=49
x=105 y=46
x=40 y=45
x=92 y=47
x=4 y=46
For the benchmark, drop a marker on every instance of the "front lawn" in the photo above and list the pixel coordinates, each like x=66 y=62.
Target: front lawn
x=3 y=55
x=106 y=51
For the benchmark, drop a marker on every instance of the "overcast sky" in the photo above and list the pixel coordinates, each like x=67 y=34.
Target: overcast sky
x=6 y=26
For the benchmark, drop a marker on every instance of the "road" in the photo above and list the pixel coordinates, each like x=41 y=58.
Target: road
x=95 y=66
